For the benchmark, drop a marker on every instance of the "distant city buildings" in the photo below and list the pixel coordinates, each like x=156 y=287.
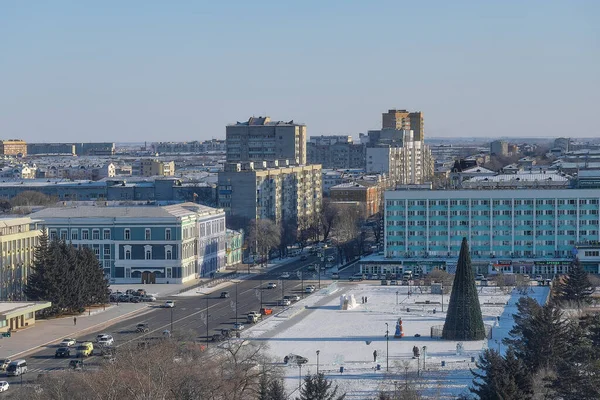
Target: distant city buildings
x=270 y=190
x=152 y=167
x=194 y=147
x=336 y=152
x=405 y=120
x=260 y=139
x=79 y=149
x=499 y=148
x=13 y=147
x=145 y=244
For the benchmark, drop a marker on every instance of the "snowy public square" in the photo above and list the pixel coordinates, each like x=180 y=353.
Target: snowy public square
x=348 y=338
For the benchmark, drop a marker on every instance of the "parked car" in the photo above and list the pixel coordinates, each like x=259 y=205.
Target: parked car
x=170 y=304
x=105 y=340
x=271 y=285
x=479 y=277
x=311 y=267
x=142 y=328
x=294 y=359
x=85 y=349
x=62 y=352
x=224 y=295
x=148 y=297
x=4 y=364
x=141 y=292
x=356 y=278
x=4 y=386
x=253 y=317
x=285 y=275
x=309 y=289
x=238 y=326
x=294 y=297
x=284 y=302
x=135 y=299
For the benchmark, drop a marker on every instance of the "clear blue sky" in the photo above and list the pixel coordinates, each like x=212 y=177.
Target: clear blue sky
x=181 y=70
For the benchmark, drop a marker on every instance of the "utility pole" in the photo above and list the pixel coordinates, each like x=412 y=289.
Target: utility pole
x=172 y=320
x=442 y=286
x=387 y=350
x=236 y=302
x=207 y=338
x=318 y=352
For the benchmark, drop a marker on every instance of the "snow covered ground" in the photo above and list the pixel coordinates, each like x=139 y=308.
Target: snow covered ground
x=347 y=338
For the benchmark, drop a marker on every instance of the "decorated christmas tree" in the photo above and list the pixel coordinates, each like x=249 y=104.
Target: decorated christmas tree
x=464 y=320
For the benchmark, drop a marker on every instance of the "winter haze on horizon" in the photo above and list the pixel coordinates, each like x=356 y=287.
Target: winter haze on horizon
x=151 y=71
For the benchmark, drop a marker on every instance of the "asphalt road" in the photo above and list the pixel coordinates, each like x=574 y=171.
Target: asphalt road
x=189 y=314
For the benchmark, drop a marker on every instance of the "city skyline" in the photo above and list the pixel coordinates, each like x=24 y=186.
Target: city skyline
x=182 y=72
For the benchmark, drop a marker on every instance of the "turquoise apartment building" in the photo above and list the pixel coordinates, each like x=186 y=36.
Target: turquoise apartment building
x=144 y=244
x=534 y=231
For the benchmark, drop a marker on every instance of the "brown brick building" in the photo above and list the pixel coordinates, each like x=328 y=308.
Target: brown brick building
x=13 y=147
x=367 y=194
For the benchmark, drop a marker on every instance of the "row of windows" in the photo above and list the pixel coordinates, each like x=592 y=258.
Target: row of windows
x=505 y=202
x=475 y=213
x=106 y=234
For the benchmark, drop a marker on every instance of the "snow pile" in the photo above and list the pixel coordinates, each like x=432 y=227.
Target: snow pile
x=347 y=302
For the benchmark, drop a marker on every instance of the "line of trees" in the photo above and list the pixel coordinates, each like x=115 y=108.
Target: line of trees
x=71 y=278
x=180 y=370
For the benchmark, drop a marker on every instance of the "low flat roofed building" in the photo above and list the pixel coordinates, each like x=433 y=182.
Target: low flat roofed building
x=18 y=315
x=368 y=195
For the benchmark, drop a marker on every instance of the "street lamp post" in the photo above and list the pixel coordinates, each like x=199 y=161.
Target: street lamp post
x=300 y=376
x=387 y=348
x=236 y=302
x=396 y=297
x=172 y=320
x=206 y=312
x=442 y=286
x=321 y=267
x=424 y=356
x=318 y=351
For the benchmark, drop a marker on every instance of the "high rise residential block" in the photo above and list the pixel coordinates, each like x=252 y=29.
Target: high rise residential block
x=260 y=139
x=337 y=155
x=405 y=120
x=270 y=190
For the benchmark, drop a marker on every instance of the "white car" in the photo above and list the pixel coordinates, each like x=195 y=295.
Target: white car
x=285 y=275
x=3 y=386
x=294 y=297
x=169 y=304
x=284 y=302
x=309 y=289
x=238 y=326
x=68 y=342
x=479 y=277
x=105 y=340
x=271 y=285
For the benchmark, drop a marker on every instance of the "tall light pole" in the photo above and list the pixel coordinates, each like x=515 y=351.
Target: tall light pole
x=321 y=267
x=318 y=351
x=396 y=297
x=387 y=348
x=172 y=320
x=442 y=286
x=236 y=302
x=300 y=376
x=424 y=355
x=207 y=338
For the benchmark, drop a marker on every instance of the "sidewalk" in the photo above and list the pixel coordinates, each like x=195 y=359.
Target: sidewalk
x=49 y=331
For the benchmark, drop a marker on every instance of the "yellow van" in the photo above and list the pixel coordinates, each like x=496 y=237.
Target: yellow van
x=85 y=349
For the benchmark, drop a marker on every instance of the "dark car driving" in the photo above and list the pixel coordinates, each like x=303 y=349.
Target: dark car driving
x=62 y=352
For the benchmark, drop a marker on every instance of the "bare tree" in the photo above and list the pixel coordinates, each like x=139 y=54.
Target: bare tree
x=329 y=213
x=346 y=229
x=263 y=236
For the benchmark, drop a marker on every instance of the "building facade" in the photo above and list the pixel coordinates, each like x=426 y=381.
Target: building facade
x=270 y=191
x=402 y=159
x=260 y=139
x=171 y=244
x=18 y=239
x=337 y=155
x=405 y=120
x=367 y=195
x=499 y=148
x=235 y=247
x=13 y=147
x=149 y=167
x=524 y=231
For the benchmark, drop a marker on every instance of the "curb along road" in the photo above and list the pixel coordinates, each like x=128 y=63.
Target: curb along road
x=84 y=331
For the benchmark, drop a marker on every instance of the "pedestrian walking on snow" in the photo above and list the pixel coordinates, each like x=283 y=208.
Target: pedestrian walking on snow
x=375 y=356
